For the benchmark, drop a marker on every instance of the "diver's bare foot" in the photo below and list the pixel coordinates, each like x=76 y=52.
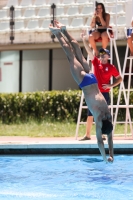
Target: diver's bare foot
x=54 y=30
x=59 y=25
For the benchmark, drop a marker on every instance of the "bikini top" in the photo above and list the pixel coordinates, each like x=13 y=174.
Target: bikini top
x=98 y=23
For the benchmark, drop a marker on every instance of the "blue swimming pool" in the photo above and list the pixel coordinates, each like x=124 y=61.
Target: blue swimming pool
x=65 y=178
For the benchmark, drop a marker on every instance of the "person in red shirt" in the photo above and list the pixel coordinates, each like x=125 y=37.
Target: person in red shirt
x=103 y=71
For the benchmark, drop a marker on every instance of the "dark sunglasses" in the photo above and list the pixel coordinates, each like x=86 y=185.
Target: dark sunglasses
x=102 y=53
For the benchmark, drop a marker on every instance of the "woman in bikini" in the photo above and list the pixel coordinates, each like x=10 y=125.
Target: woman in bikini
x=100 y=23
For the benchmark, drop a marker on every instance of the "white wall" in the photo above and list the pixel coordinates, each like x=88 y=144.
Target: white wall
x=35 y=74
x=62 y=78
x=35 y=71
x=129 y=12
x=9 y=64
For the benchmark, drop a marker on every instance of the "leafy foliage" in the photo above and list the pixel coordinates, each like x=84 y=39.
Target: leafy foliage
x=52 y=105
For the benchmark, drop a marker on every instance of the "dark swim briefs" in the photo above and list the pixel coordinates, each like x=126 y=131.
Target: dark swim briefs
x=88 y=79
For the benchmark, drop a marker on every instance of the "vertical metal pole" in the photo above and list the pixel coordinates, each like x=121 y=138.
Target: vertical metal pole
x=12 y=23
x=50 y=68
x=20 y=70
x=53 y=7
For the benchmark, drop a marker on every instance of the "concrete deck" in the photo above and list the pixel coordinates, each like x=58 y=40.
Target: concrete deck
x=28 y=145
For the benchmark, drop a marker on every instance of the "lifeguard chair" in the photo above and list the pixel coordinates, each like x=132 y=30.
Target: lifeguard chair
x=112 y=42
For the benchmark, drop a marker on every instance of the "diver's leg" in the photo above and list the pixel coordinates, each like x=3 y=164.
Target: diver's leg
x=76 y=68
x=75 y=46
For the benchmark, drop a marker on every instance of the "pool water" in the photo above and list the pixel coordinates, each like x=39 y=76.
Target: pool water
x=66 y=177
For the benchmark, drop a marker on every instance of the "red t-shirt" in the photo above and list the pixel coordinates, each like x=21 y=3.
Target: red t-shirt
x=103 y=73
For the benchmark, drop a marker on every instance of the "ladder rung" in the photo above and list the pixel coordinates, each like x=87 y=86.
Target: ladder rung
x=114 y=106
x=121 y=106
x=121 y=122
x=131 y=90
x=84 y=107
x=82 y=122
x=128 y=73
x=130 y=57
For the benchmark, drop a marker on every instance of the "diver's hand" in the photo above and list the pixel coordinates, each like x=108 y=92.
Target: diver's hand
x=110 y=159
